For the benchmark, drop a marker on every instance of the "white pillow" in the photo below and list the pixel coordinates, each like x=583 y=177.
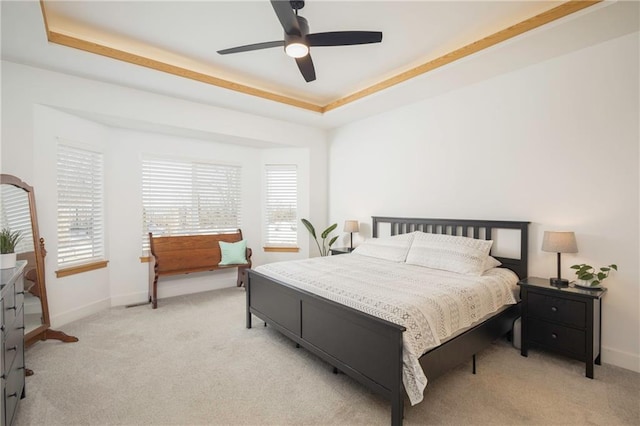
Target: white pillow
x=490 y=263
x=450 y=253
x=393 y=248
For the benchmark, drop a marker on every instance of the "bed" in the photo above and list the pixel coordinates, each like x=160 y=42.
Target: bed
x=369 y=348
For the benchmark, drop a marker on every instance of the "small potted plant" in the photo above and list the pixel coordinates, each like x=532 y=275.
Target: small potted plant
x=8 y=242
x=587 y=276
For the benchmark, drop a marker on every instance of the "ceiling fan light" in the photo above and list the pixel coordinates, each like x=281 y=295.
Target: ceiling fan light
x=296 y=50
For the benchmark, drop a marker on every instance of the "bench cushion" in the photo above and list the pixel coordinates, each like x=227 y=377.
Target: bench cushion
x=233 y=253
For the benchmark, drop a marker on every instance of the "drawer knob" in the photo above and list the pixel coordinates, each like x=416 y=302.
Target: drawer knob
x=2 y=327
x=12 y=307
x=554 y=309
x=554 y=336
x=13 y=348
x=13 y=395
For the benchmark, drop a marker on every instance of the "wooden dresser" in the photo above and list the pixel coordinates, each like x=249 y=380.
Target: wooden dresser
x=12 y=351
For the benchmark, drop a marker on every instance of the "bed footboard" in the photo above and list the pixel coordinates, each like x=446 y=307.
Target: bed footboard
x=364 y=347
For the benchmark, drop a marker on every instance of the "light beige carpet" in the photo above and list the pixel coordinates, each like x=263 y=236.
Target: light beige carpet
x=192 y=361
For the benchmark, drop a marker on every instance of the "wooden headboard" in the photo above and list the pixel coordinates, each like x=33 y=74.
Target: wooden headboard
x=479 y=229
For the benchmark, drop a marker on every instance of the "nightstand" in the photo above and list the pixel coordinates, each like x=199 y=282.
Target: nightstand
x=565 y=320
x=340 y=250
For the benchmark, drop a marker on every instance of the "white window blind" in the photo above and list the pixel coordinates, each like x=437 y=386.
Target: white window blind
x=15 y=215
x=281 y=205
x=185 y=198
x=80 y=206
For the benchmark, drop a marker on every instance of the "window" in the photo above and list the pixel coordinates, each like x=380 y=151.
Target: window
x=186 y=198
x=80 y=206
x=281 y=206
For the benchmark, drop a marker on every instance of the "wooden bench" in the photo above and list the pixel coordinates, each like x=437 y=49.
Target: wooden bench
x=174 y=255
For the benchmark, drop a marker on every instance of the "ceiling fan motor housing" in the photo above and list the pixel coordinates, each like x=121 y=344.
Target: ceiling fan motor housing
x=295 y=38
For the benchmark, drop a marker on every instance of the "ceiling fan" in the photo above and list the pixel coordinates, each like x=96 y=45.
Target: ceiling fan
x=297 y=39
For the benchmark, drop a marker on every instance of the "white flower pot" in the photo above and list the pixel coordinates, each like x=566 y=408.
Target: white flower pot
x=587 y=283
x=7 y=260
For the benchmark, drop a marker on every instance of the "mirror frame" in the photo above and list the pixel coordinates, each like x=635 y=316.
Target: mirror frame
x=43 y=331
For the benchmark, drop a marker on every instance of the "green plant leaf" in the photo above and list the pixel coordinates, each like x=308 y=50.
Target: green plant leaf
x=327 y=231
x=595 y=282
x=309 y=227
x=614 y=267
x=605 y=269
x=9 y=240
x=575 y=266
x=587 y=277
x=333 y=240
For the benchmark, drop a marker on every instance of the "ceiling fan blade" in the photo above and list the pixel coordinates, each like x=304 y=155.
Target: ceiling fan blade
x=344 y=38
x=305 y=65
x=286 y=16
x=249 y=47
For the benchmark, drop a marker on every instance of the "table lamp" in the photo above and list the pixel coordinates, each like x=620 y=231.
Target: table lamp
x=559 y=242
x=351 y=226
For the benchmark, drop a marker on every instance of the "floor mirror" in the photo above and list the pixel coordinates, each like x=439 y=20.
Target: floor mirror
x=18 y=213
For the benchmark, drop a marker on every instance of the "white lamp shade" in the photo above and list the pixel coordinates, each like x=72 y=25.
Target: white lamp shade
x=559 y=242
x=351 y=226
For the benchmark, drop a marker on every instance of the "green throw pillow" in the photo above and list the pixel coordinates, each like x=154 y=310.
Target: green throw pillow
x=233 y=253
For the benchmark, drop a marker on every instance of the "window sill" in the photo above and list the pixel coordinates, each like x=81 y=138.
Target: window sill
x=65 y=272
x=281 y=249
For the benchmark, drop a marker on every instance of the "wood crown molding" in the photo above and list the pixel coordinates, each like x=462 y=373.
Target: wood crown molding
x=539 y=20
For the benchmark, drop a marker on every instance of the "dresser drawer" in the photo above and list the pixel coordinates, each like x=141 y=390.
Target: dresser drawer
x=9 y=310
x=13 y=392
x=558 y=337
x=13 y=340
x=557 y=309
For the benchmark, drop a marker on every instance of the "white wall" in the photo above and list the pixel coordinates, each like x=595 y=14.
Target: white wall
x=39 y=106
x=555 y=144
x=77 y=295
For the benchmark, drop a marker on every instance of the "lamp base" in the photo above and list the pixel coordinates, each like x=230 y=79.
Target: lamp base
x=559 y=282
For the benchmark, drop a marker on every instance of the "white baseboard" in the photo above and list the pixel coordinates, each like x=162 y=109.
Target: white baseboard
x=130 y=299
x=172 y=288
x=79 y=313
x=621 y=359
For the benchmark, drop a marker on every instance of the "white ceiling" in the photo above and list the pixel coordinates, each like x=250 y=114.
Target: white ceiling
x=413 y=32
x=191 y=32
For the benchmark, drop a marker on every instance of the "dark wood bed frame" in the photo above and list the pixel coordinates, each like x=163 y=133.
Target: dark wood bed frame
x=368 y=348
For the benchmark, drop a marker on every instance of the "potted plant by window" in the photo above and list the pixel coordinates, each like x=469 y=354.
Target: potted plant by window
x=324 y=249
x=8 y=242
x=587 y=276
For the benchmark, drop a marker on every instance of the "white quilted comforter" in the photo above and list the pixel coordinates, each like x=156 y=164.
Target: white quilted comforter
x=430 y=303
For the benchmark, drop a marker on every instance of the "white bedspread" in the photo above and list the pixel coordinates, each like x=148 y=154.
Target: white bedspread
x=431 y=304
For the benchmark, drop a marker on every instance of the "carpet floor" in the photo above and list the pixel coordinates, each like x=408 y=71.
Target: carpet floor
x=193 y=362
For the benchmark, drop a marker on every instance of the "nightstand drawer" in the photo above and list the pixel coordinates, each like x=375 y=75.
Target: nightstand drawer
x=557 y=337
x=557 y=309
